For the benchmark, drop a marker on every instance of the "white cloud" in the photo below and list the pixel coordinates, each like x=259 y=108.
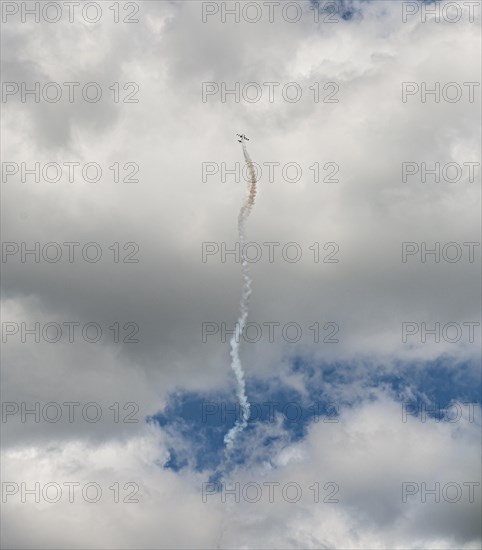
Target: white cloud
x=364 y=459
x=170 y=292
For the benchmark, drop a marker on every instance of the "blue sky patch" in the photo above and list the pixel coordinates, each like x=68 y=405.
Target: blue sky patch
x=280 y=415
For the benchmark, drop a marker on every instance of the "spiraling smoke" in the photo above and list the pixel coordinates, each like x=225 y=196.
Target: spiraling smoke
x=236 y=365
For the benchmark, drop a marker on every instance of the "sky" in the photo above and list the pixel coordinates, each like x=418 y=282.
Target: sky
x=122 y=180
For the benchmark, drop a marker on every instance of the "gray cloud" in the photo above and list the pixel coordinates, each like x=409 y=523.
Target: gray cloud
x=170 y=212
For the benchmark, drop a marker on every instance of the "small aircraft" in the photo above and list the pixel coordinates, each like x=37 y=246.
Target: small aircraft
x=242 y=137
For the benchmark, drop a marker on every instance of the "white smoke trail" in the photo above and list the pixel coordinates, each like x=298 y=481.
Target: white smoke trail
x=236 y=365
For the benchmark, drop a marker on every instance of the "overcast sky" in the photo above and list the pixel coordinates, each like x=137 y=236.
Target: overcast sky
x=363 y=121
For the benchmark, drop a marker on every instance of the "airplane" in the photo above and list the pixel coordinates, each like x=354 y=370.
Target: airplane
x=242 y=136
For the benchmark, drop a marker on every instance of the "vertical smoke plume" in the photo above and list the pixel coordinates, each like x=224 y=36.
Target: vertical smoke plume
x=243 y=307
